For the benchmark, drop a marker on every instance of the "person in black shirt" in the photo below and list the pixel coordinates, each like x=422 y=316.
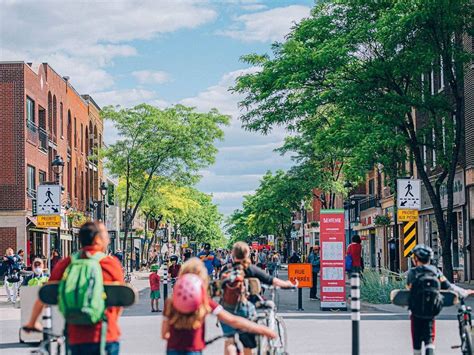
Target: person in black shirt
x=241 y=256
x=422 y=329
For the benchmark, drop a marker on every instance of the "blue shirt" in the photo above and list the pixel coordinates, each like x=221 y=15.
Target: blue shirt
x=209 y=260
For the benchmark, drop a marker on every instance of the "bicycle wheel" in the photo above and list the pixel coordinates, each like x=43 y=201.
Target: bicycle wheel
x=262 y=342
x=281 y=349
x=466 y=346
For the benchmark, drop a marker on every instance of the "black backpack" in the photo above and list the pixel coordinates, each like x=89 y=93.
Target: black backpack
x=426 y=301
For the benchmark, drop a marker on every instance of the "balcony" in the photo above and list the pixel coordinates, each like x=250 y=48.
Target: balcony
x=368 y=202
x=43 y=139
x=32 y=132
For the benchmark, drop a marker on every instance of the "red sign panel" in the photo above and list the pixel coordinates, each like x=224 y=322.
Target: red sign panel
x=332 y=239
x=255 y=245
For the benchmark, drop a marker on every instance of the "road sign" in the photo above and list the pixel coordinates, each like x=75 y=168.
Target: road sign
x=409 y=194
x=255 y=245
x=407 y=215
x=333 y=279
x=301 y=272
x=409 y=238
x=48 y=200
x=48 y=221
x=294 y=234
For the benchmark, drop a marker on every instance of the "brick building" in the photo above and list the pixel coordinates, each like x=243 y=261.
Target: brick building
x=42 y=116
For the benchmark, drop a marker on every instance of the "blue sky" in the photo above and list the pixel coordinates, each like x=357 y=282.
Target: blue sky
x=161 y=52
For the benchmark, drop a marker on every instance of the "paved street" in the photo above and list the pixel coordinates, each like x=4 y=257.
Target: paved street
x=309 y=332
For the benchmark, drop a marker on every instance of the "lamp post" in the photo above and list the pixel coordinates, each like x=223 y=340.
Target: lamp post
x=58 y=166
x=348 y=204
x=103 y=191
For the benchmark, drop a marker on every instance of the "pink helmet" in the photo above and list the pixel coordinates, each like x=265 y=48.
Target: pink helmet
x=188 y=293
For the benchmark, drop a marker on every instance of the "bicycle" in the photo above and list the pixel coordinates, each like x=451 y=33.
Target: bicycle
x=45 y=347
x=239 y=348
x=465 y=326
x=266 y=315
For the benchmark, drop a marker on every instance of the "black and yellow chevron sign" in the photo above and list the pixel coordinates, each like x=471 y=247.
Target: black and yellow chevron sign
x=409 y=238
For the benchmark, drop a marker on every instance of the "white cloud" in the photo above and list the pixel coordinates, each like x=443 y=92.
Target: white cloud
x=266 y=26
x=81 y=38
x=151 y=77
x=126 y=97
x=230 y=195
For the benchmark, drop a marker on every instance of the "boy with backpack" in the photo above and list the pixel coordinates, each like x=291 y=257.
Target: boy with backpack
x=91 y=327
x=425 y=282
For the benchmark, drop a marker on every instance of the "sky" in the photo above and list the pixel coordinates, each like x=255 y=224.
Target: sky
x=162 y=52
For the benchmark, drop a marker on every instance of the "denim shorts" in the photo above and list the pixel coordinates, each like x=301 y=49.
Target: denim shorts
x=112 y=348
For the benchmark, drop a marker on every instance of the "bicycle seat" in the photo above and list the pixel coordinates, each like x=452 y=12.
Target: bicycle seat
x=265 y=304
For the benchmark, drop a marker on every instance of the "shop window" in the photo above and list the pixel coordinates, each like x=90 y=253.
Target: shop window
x=31 y=181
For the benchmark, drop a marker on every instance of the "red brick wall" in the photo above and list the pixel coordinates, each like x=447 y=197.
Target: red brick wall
x=12 y=132
x=7 y=239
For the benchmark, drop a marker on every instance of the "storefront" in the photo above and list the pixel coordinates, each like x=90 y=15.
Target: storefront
x=428 y=228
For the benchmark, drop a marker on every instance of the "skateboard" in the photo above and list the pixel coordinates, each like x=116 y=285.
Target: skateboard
x=118 y=294
x=402 y=298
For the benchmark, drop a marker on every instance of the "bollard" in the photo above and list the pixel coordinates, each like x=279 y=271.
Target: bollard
x=300 y=299
x=47 y=326
x=165 y=282
x=355 y=312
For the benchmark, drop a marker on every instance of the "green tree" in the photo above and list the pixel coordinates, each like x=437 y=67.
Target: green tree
x=372 y=61
x=172 y=143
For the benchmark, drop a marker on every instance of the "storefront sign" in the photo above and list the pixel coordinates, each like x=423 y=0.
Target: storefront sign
x=407 y=215
x=49 y=221
x=301 y=272
x=459 y=197
x=332 y=237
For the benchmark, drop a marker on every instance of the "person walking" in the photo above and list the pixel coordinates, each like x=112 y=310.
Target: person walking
x=55 y=258
x=12 y=279
x=294 y=259
x=155 y=296
x=354 y=252
x=315 y=261
x=38 y=277
x=89 y=338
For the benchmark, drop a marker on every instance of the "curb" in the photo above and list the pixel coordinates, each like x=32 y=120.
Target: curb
x=384 y=307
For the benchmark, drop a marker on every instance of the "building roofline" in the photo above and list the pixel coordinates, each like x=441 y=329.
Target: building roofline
x=87 y=97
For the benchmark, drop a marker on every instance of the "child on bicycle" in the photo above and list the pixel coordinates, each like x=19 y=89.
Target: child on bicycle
x=185 y=313
x=425 y=282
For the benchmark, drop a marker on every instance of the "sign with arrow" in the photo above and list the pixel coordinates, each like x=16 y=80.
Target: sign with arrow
x=409 y=194
x=48 y=199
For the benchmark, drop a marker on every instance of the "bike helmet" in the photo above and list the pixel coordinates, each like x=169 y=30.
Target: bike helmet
x=154 y=267
x=423 y=252
x=188 y=293
x=173 y=258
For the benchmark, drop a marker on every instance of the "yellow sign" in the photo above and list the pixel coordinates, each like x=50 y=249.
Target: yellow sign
x=52 y=221
x=409 y=238
x=407 y=215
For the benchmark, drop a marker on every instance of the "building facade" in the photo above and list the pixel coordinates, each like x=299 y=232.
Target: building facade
x=43 y=116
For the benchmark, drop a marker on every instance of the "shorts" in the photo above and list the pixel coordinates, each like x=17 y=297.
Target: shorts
x=154 y=295
x=246 y=310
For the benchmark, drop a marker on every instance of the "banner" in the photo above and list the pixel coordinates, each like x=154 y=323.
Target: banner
x=332 y=238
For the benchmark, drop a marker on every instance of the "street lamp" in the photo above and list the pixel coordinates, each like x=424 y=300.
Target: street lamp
x=103 y=191
x=58 y=166
x=348 y=204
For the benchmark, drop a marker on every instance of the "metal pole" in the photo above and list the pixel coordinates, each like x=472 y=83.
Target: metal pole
x=165 y=280
x=47 y=326
x=300 y=299
x=355 y=312
x=396 y=237
x=103 y=202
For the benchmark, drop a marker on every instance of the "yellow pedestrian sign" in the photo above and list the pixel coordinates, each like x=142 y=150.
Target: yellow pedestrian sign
x=407 y=215
x=409 y=238
x=50 y=221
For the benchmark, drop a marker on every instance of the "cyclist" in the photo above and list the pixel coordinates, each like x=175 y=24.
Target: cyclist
x=208 y=257
x=424 y=298
x=241 y=260
x=86 y=339
x=173 y=269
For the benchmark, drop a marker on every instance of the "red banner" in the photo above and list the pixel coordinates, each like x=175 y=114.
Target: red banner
x=332 y=239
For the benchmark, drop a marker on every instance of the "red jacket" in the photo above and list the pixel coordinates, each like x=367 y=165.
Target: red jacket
x=355 y=250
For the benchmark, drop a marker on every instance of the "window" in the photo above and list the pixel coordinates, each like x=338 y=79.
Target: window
x=55 y=117
x=371 y=187
x=61 y=119
x=75 y=182
x=82 y=138
x=41 y=177
x=30 y=110
x=75 y=132
x=31 y=181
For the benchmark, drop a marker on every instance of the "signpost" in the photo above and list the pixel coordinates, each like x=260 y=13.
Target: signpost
x=332 y=237
x=304 y=274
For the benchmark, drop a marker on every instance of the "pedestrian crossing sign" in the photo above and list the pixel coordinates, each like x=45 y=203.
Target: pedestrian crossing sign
x=48 y=198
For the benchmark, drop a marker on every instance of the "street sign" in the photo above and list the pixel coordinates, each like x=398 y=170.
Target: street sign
x=48 y=200
x=294 y=234
x=407 y=215
x=333 y=279
x=409 y=194
x=255 y=245
x=409 y=238
x=301 y=272
x=271 y=239
x=48 y=221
